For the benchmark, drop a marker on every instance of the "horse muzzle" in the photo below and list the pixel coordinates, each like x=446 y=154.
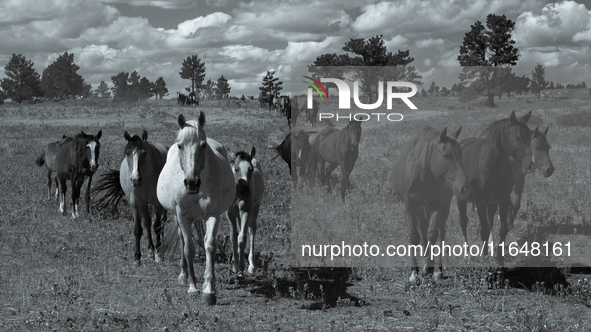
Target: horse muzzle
x=463 y=192
x=242 y=189
x=192 y=186
x=93 y=168
x=548 y=171
x=136 y=182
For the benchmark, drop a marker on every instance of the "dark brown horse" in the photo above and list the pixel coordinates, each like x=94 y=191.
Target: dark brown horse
x=137 y=178
x=541 y=156
x=338 y=148
x=488 y=167
x=294 y=150
x=75 y=160
x=426 y=175
x=47 y=158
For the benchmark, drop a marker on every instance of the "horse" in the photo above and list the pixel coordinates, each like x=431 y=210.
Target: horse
x=294 y=111
x=270 y=101
x=136 y=179
x=488 y=168
x=295 y=152
x=192 y=99
x=263 y=100
x=75 y=160
x=182 y=99
x=196 y=183
x=312 y=113
x=541 y=156
x=242 y=215
x=338 y=148
x=426 y=175
x=47 y=158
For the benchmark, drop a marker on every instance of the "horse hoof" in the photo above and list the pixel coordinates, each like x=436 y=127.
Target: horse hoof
x=209 y=298
x=413 y=278
x=438 y=275
x=158 y=258
x=192 y=289
x=182 y=279
x=251 y=270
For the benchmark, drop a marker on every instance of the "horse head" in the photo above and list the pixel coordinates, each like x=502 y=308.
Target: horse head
x=540 y=150
x=242 y=167
x=192 y=145
x=92 y=149
x=135 y=153
x=446 y=161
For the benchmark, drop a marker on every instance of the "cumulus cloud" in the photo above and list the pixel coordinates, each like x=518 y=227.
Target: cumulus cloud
x=556 y=24
x=165 y=4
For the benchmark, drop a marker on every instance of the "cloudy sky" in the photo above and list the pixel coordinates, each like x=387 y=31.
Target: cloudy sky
x=243 y=40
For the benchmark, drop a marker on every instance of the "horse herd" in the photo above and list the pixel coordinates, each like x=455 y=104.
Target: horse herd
x=197 y=180
x=432 y=168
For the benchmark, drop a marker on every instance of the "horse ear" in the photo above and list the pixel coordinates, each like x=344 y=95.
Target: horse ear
x=181 y=121
x=83 y=134
x=443 y=134
x=536 y=132
x=100 y=133
x=526 y=117
x=253 y=151
x=512 y=118
x=201 y=119
x=126 y=136
x=546 y=131
x=457 y=133
x=144 y=135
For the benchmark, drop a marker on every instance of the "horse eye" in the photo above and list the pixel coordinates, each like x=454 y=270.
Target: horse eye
x=144 y=152
x=180 y=146
x=203 y=145
x=236 y=169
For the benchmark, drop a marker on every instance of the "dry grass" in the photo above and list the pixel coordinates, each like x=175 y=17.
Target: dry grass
x=57 y=274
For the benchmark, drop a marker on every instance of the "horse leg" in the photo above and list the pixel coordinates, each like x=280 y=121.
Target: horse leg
x=76 y=188
x=233 y=220
x=244 y=220
x=209 y=293
x=327 y=172
x=183 y=277
x=161 y=215
x=414 y=238
x=63 y=188
x=188 y=252
x=137 y=231
x=252 y=229
x=504 y=213
x=439 y=220
x=145 y=211
x=49 y=180
x=87 y=195
x=423 y=217
x=485 y=224
x=57 y=188
x=518 y=190
x=463 y=210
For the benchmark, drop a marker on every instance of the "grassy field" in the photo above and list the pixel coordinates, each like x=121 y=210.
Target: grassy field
x=57 y=274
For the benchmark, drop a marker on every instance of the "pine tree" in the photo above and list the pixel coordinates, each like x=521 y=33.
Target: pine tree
x=160 y=88
x=61 y=79
x=102 y=90
x=193 y=69
x=271 y=84
x=223 y=88
x=23 y=81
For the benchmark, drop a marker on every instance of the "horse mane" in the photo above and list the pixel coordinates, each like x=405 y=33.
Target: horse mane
x=420 y=149
x=496 y=130
x=540 y=143
x=190 y=132
x=243 y=155
x=78 y=151
x=134 y=143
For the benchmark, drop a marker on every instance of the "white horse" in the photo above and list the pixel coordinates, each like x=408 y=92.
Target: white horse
x=248 y=176
x=196 y=184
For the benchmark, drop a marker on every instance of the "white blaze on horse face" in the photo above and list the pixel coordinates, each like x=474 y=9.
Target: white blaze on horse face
x=135 y=172
x=93 y=161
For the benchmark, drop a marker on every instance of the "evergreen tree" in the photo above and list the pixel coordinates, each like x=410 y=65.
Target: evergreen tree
x=271 y=84
x=160 y=89
x=102 y=90
x=23 y=81
x=193 y=69
x=538 y=79
x=61 y=79
x=223 y=88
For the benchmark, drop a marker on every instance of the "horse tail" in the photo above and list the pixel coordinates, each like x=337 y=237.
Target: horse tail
x=41 y=160
x=171 y=236
x=109 y=189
